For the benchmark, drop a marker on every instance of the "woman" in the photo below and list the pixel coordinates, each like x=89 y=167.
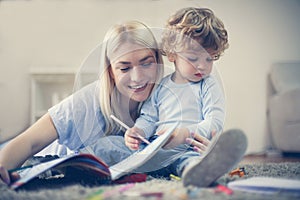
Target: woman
x=131 y=65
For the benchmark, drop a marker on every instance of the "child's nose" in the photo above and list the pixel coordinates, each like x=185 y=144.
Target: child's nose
x=201 y=66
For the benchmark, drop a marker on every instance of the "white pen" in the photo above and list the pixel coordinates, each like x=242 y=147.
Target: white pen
x=127 y=127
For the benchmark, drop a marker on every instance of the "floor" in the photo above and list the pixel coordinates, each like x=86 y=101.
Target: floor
x=264 y=158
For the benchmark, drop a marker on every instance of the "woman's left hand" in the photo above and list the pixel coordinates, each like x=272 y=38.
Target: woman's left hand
x=199 y=142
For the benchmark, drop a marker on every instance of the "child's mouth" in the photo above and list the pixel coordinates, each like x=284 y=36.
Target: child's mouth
x=199 y=75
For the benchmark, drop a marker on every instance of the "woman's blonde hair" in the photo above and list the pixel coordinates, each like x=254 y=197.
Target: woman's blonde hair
x=135 y=33
x=194 y=24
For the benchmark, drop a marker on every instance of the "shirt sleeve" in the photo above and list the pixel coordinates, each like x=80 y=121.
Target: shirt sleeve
x=78 y=119
x=149 y=116
x=213 y=108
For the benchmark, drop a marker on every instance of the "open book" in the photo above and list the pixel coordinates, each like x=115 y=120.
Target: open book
x=92 y=165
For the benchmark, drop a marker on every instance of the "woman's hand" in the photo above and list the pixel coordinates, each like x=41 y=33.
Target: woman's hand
x=6 y=177
x=131 y=139
x=199 y=142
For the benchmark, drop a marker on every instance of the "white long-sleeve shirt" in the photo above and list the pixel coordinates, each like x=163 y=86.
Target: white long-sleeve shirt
x=200 y=107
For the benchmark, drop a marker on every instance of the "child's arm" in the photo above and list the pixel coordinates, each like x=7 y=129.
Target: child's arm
x=213 y=109
x=28 y=143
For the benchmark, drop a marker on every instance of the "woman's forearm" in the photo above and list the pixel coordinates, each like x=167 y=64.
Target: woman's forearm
x=28 y=143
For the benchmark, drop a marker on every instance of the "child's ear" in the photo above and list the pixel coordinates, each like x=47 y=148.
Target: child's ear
x=172 y=57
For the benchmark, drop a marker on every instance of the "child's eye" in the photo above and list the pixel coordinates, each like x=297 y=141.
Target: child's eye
x=209 y=59
x=192 y=59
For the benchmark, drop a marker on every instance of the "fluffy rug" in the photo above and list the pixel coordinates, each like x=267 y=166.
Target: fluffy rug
x=154 y=188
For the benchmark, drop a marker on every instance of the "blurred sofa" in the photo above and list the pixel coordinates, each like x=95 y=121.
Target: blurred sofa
x=284 y=106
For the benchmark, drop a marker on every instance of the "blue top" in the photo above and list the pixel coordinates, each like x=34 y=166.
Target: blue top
x=78 y=119
x=199 y=106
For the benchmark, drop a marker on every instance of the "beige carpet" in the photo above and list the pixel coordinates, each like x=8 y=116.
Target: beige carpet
x=57 y=189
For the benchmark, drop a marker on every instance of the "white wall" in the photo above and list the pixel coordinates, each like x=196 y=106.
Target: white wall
x=60 y=33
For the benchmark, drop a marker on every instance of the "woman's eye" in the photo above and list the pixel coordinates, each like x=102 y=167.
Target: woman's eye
x=146 y=64
x=124 y=69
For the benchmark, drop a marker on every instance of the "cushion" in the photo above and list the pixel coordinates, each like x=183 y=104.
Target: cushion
x=285 y=76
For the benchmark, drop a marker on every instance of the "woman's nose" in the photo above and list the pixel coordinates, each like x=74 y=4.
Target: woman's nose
x=136 y=74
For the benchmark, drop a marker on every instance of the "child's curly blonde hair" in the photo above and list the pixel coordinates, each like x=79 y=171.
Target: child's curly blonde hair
x=194 y=24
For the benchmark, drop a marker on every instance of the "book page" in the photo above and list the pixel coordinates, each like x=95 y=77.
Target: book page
x=30 y=173
x=140 y=157
x=266 y=185
x=86 y=162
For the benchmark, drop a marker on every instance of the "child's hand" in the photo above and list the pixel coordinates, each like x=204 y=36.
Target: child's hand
x=199 y=142
x=178 y=137
x=5 y=177
x=131 y=139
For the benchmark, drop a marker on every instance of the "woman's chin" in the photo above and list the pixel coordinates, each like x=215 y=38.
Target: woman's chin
x=139 y=98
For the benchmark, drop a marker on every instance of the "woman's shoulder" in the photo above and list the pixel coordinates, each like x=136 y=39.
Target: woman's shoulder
x=84 y=97
x=89 y=88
